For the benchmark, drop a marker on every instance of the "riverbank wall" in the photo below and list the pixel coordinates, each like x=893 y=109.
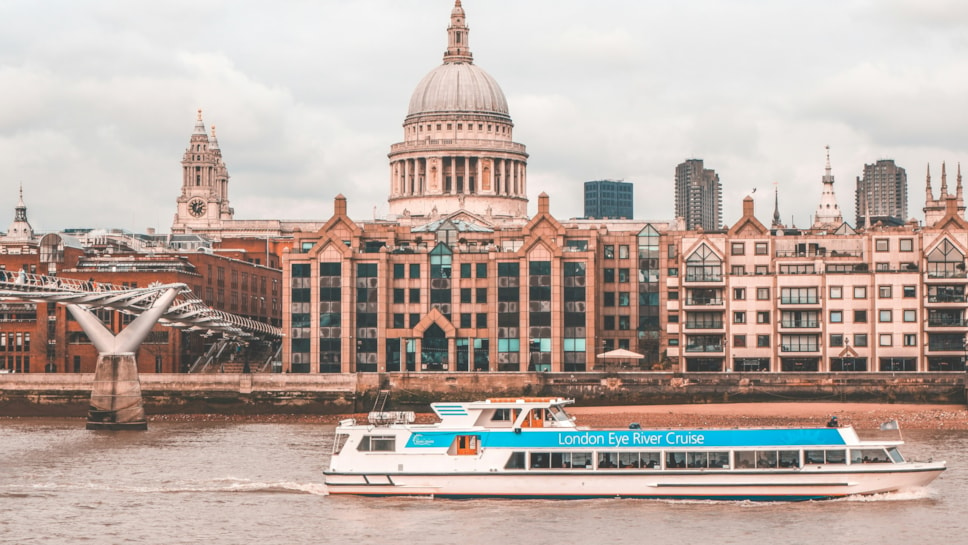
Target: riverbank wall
x=259 y=393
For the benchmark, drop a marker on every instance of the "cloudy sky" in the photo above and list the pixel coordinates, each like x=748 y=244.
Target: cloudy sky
x=99 y=98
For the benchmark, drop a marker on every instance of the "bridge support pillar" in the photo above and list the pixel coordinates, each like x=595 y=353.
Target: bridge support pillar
x=116 y=402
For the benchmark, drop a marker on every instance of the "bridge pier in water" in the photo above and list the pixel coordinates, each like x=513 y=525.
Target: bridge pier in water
x=116 y=401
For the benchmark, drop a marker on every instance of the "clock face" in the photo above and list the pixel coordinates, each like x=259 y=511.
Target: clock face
x=196 y=207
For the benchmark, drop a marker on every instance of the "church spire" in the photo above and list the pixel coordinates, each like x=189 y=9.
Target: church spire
x=959 y=190
x=928 y=192
x=199 y=124
x=776 y=206
x=458 y=41
x=828 y=213
x=944 y=183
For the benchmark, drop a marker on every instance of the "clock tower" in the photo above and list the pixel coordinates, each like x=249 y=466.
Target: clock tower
x=204 y=201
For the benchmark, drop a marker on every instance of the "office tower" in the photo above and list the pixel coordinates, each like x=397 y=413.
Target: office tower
x=881 y=194
x=608 y=199
x=699 y=195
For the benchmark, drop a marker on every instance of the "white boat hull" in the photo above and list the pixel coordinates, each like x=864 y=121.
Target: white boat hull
x=780 y=485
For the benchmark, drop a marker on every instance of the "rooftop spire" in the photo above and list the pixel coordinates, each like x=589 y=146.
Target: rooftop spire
x=944 y=183
x=199 y=124
x=458 y=42
x=776 y=206
x=928 y=193
x=828 y=213
x=213 y=142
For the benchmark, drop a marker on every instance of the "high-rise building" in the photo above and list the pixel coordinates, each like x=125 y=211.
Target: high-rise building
x=608 y=199
x=699 y=195
x=881 y=194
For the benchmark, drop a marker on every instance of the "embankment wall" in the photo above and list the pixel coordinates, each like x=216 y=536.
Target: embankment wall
x=231 y=393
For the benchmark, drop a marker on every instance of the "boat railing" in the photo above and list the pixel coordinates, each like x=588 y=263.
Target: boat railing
x=386 y=418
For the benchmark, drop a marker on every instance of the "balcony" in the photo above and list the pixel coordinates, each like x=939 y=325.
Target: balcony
x=799 y=300
x=704 y=325
x=704 y=278
x=946 y=321
x=718 y=348
x=800 y=324
x=704 y=301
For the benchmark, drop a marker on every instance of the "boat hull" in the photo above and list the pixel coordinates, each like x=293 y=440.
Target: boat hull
x=780 y=485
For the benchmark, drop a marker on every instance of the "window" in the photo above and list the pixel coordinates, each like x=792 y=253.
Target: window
x=739 y=293
x=884 y=316
x=609 y=251
x=860 y=316
x=377 y=443
x=737 y=270
x=761 y=248
x=482 y=270
x=673 y=295
x=414 y=295
x=609 y=323
x=674 y=271
x=608 y=275
x=837 y=316
x=398 y=270
x=609 y=299
x=739 y=317
x=737 y=248
x=910 y=315
x=836 y=292
x=910 y=291
x=836 y=340
x=623 y=251
x=623 y=275
x=762 y=294
x=398 y=321
x=739 y=341
x=882 y=245
x=762 y=270
x=399 y=296
x=884 y=292
x=860 y=292
x=763 y=341
x=906 y=244
x=465 y=270
x=671 y=251
x=415 y=270
x=481 y=320
x=763 y=317
x=481 y=295
x=884 y=339
x=465 y=320
x=860 y=339
x=624 y=323
x=623 y=299
x=910 y=339
x=465 y=296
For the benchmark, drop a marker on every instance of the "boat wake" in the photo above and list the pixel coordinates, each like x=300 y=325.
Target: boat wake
x=919 y=493
x=229 y=485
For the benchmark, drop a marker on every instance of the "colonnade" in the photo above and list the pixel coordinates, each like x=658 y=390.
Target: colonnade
x=469 y=175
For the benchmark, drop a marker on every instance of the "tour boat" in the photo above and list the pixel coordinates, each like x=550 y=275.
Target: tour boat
x=531 y=448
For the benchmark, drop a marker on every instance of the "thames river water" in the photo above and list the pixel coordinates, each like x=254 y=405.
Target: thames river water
x=230 y=483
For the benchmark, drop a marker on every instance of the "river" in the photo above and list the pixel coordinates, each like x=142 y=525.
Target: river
x=231 y=483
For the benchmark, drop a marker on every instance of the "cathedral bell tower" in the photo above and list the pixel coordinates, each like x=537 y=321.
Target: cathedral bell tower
x=204 y=200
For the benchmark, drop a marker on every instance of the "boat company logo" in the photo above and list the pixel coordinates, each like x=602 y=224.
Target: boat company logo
x=419 y=440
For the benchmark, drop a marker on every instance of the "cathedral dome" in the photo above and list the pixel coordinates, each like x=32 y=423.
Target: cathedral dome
x=458 y=88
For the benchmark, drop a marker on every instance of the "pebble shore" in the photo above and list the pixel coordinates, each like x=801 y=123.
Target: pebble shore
x=863 y=416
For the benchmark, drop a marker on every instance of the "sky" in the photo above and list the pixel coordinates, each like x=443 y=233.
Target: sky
x=98 y=99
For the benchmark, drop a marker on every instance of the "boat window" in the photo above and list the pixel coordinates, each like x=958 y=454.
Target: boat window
x=564 y=460
x=607 y=460
x=895 y=455
x=339 y=441
x=466 y=445
x=719 y=460
x=557 y=413
x=651 y=459
x=629 y=459
x=515 y=461
x=378 y=443
x=766 y=459
x=502 y=415
x=789 y=458
x=869 y=456
x=825 y=457
x=540 y=460
x=745 y=459
x=675 y=459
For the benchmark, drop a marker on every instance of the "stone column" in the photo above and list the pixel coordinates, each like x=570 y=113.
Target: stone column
x=116 y=402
